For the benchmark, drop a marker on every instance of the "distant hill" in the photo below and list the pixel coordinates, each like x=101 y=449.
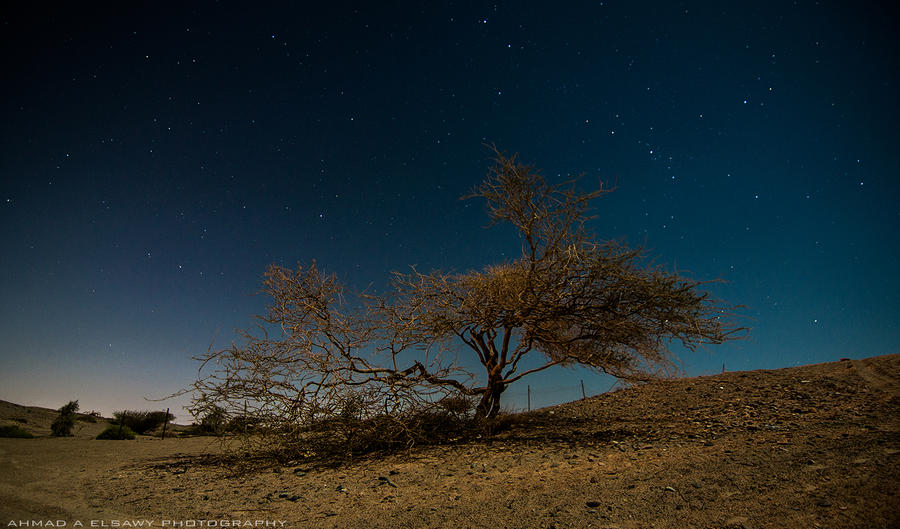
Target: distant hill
x=37 y=420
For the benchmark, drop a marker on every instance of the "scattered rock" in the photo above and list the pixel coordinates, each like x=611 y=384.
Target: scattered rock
x=384 y=480
x=593 y=504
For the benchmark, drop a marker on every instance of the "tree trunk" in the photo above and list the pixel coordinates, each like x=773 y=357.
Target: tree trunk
x=489 y=406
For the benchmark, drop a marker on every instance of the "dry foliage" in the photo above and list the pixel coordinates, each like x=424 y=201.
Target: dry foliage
x=374 y=372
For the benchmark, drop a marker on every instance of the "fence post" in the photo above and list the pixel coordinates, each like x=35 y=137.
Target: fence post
x=529 y=397
x=165 y=424
x=583 y=395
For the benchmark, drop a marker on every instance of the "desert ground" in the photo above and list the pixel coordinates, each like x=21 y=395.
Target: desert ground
x=812 y=446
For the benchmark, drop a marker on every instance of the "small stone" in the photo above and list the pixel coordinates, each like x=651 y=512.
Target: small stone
x=593 y=504
x=385 y=480
x=823 y=503
x=697 y=484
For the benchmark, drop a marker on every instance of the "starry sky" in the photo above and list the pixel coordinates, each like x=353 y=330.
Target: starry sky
x=155 y=159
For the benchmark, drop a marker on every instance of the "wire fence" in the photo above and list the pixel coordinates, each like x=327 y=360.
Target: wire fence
x=532 y=397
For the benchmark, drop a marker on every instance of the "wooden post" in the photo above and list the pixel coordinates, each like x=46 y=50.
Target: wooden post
x=529 y=397
x=583 y=396
x=166 y=423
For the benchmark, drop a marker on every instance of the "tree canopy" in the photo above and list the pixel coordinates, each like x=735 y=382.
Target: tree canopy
x=569 y=297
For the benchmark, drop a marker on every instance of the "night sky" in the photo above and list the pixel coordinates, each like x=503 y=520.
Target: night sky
x=155 y=160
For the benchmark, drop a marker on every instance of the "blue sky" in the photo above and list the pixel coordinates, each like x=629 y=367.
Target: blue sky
x=154 y=162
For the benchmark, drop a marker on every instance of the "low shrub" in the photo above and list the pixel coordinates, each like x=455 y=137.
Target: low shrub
x=447 y=421
x=213 y=421
x=115 y=432
x=14 y=431
x=65 y=421
x=142 y=421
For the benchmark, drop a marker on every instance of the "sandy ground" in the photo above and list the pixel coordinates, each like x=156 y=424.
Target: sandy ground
x=52 y=478
x=815 y=446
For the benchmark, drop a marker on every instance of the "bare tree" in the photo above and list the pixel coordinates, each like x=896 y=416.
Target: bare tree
x=568 y=299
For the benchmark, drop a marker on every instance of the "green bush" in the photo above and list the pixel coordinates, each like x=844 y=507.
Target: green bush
x=142 y=421
x=14 y=431
x=116 y=433
x=213 y=422
x=62 y=426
